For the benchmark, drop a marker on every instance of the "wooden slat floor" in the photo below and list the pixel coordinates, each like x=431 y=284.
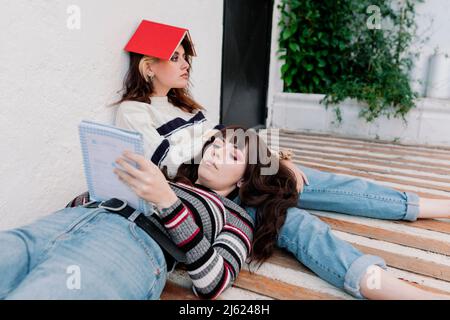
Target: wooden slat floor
x=417 y=252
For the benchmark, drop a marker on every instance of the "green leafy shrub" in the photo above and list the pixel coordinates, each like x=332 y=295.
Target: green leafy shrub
x=328 y=48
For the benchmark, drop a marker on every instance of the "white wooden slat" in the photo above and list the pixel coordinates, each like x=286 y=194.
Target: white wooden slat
x=386 y=225
x=354 y=158
x=394 y=248
x=388 y=156
x=342 y=140
x=388 y=164
x=300 y=279
x=444 y=149
x=181 y=278
x=343 y=162
x=241 y=294
x=420 y=279
x=349 y=146
x=426 y=180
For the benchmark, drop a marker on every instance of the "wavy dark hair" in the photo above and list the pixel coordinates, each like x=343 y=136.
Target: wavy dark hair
x=137 y=86
x=271 y=195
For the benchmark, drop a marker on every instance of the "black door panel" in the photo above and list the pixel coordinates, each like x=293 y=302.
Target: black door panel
x=245 y=61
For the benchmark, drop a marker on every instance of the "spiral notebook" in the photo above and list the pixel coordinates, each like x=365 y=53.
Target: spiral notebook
x=101 y=145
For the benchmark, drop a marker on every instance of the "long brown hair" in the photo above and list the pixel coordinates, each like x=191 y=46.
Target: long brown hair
x=271 y=195
x=137 y=86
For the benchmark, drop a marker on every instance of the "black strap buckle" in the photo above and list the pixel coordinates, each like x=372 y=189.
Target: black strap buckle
x=113 y=204
x=91 y=204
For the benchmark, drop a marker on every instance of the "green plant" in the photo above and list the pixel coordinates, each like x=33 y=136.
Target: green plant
x=328 y=48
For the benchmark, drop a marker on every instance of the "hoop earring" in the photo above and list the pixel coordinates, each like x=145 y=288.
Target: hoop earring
x=150 y=77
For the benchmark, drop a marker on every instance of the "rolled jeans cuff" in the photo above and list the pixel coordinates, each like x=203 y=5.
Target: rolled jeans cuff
x=356 y=272
x=412 y=206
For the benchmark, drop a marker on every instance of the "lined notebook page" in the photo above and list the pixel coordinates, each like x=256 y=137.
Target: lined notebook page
x=101 y=145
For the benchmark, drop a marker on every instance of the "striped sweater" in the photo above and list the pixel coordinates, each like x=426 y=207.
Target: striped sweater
x=171 y=136
x=214 y=232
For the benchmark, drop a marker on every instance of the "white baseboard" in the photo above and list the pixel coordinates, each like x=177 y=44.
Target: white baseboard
x=428 y=123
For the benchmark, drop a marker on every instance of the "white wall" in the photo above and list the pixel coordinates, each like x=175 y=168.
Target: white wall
x=52 y=77
x=432 y=21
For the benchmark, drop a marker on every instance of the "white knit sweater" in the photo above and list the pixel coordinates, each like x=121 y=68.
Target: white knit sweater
x=171 y=135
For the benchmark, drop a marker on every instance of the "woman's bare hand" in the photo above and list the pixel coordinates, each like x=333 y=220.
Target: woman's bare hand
x=299 y=174
x=147 y=181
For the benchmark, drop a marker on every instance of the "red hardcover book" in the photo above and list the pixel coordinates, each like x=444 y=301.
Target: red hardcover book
x=158 y=40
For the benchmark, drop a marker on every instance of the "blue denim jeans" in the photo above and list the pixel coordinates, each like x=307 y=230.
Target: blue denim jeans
x=80 y=253
x=311 y=240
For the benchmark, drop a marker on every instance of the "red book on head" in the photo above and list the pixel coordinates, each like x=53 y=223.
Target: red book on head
x=158 y=40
